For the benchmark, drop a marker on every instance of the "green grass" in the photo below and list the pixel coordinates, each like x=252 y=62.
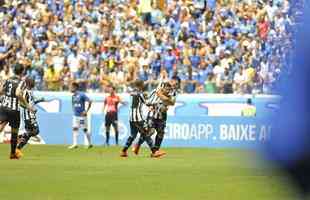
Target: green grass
x=55 y=173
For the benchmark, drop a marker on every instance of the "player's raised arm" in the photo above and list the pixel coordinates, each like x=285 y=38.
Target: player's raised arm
x=39 y=100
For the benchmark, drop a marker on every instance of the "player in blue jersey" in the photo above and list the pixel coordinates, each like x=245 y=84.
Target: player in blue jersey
x=79 y=100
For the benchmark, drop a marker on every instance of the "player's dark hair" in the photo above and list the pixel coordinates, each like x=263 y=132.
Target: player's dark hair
x=75 y=85
x=178 y=80
x=138 y=84
x=18 y=69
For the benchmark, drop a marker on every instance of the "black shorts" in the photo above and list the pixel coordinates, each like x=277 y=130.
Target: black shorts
x=110 y=118
x=137 y=127
x=158 y=124
x=10 y=116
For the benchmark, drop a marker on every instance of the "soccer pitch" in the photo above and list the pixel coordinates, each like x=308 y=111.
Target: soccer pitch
x=55 y=173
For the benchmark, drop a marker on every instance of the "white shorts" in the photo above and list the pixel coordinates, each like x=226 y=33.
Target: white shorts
x=79 y=122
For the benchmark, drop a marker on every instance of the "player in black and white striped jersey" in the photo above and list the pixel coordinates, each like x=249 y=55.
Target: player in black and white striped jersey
x=138 y=100
x=159 y=100
x=137 y=119
x=30 y=119
x=12 y=96
x=155 y=102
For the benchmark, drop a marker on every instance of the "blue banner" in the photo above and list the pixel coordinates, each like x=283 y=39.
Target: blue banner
x=197 y=120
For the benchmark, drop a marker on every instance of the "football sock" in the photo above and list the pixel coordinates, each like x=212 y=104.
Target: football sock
x=116 y=137
x=128 y=142
x=75 y=136
x=158 y=141
x=107 y=138
x=87 y=138
x=13 y=143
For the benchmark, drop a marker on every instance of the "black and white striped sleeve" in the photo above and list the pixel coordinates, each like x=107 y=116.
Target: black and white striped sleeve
x=22 y=85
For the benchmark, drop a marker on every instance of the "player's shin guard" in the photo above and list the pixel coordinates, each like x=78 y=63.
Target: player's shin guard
x=13 y=142
x=23 y=140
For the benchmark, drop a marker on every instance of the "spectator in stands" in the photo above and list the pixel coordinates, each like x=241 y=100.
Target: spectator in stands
x=239 y=81
x=94 y=80
x=156 y=65
x=52 y=79
x=210 y=85
x=226 y=82
x=120 y=38
x=194 y=58
x=189 y=85
x=81 y=76
x=169 y=61
x=249 y=110
x=65 y=78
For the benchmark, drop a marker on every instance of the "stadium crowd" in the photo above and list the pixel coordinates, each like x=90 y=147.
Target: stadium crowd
x=214 y=46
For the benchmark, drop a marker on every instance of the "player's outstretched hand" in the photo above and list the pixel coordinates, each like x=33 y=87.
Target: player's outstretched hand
x=40 y=100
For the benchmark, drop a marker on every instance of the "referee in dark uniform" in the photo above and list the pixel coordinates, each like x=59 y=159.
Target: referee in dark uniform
x=137 y=120
x=12 y=95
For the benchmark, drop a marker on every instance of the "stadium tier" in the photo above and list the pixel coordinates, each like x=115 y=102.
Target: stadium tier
x=213 y=46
